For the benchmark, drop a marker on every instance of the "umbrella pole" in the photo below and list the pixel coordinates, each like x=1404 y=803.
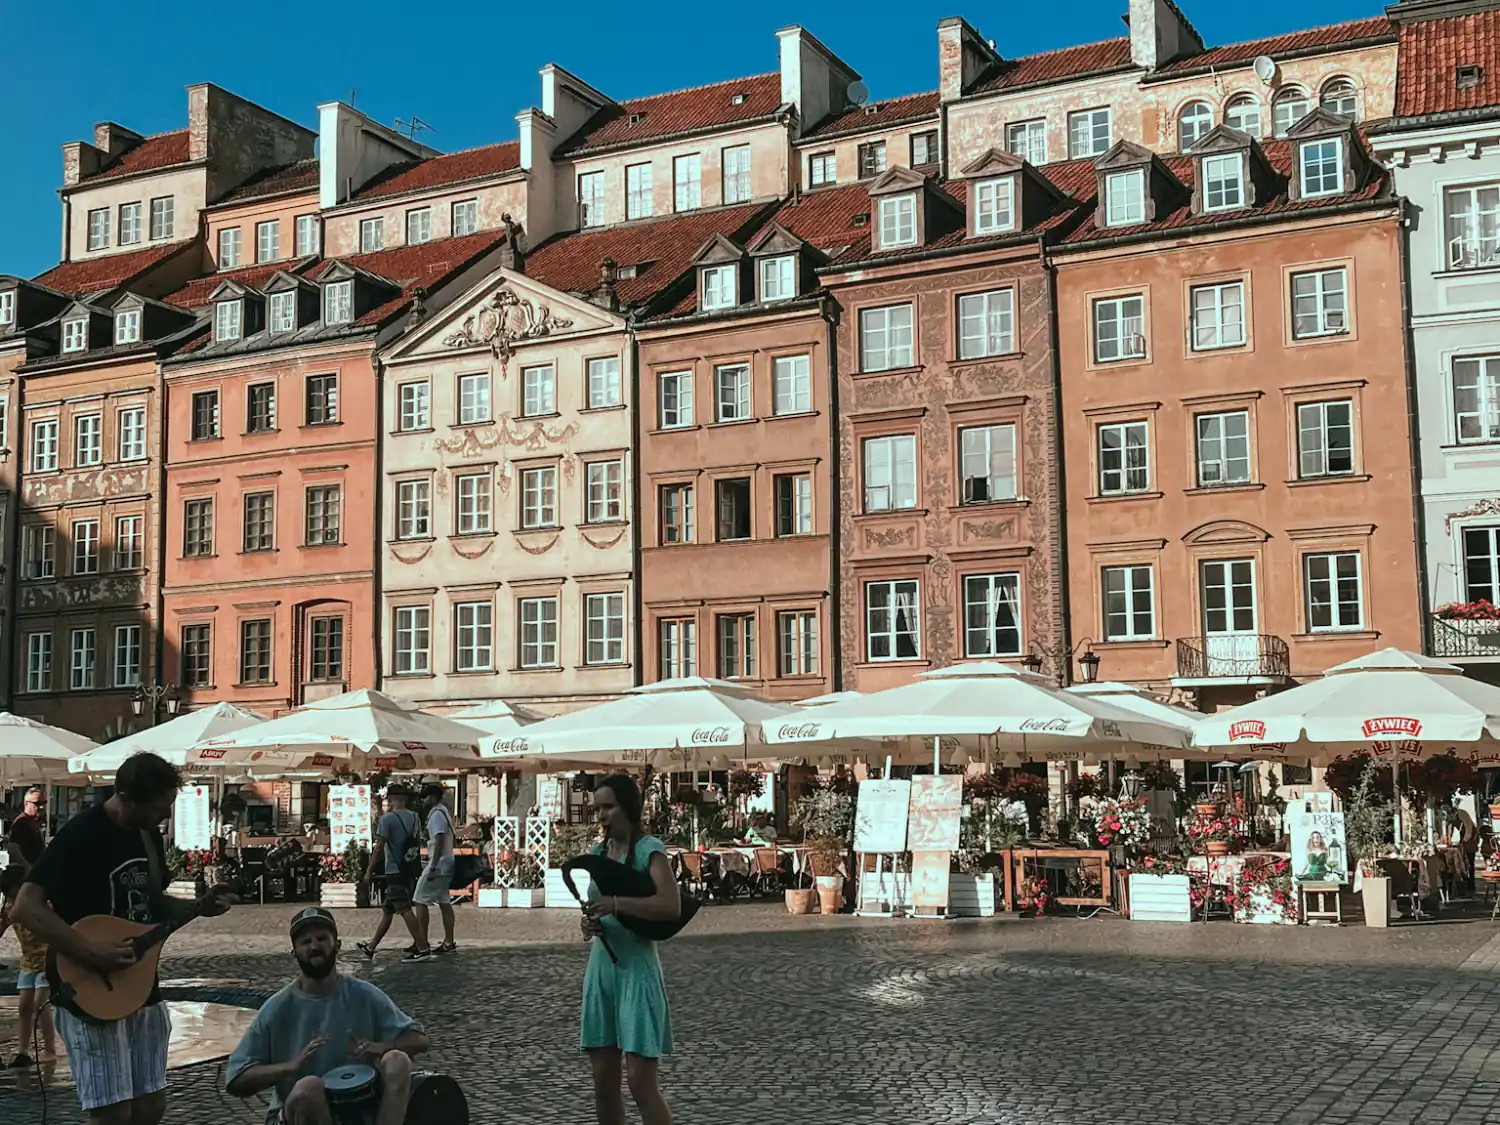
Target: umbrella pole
x=48 y=813
x=1396 y=798
x=937 y=746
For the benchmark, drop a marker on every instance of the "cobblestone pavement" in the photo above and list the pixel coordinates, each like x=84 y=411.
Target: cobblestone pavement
x=828 y=1021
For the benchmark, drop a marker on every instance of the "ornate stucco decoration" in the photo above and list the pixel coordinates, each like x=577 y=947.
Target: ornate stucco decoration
x=542 y=550
x=532 y=436
x=1489 y=506
x=411 y=554
x=891 y=537
x=474 y=552
x=505 y=321
x=989 y=529
x=605 y=545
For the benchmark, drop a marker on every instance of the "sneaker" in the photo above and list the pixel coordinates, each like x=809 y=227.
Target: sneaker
x=366 y=948
x=446 y=947
x=417 y=955
x=20 y=1062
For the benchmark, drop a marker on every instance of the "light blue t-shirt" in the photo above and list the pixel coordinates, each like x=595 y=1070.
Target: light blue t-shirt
x=292 y=1018
x=398 y=828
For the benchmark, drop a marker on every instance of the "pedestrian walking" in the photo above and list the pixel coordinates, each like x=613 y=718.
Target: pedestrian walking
x=32 y=1009
x=435 y=887
x=398 y=855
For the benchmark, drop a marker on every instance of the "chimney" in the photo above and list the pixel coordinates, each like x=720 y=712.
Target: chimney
x=605 y=296
x=80 y=161
x=814 y=80
x=963 y=55
x=1159 y=33
x=113 y=140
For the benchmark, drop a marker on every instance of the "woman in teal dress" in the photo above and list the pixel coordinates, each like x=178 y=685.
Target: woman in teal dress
x=626 y=1024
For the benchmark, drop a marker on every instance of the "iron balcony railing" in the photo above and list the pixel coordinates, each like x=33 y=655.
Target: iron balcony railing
x=1209 y=658
x=1465 y=639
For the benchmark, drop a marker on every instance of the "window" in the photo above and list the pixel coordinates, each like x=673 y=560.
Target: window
x=1334 y=600
x=85 y=546
x=1287 y=108
x=1318 y=304
x=1471 y=217
x=603 y=382
x=88 y=439
x=39 y=552
x=638 y=200
x=1129 y=605
x=268 y=241
x=130 y=224
x=474 y=499
x=260 y=408
x=885 y=338
x=539 y=497
x=328 y=648
x=1193 y=124
x=228 y=320
x=1322 y=167
x=986 y=324
x=255 y=652
x=1325 y=439
x=890 y=465
x=1218 y=315
x=39 y=662
x=99 y=228
x=733 y=497
x=988 y=463
x=413 y=509
x=992 y=615
x=75 y=335
x=591 y=199
x=1223 y=448
x=323 y=515
x=8 y=308
x=338 y=302
x=677 y=513
x=719 y=287
x=679 y=648
x=260 y=521
x=1243 y=113
x=44 y=445
x=127 y=655
x=130 y=543
x=822 y=168
x=1028 y=140
x=871 y=159
x=229 y=248
x=732 y=392
x=924 y=148
x=465 y=217
x=1124 y=198
x=538 y=632
x=676 y=399
x=413 y=640
x=205 y=415
x=307 y=235
x=892 y=630
x=1340 y=97
x=162 y=219
x=474 y=625
x=283 y=311
x=128 y=326
x=604 y=629
x=197 y=656
x=1119 y=328
x=778 y=278
x=797 y=643
x=737 y=646
x=1123 y=463
x=197 y=528
x=1088 y=133
x=898 y=221
x=736 y=170
x=792 y=383
x=687 y=183
x=371 y=235
x=1482 y=564
x=473 y=398
x=538 y=391
x=415 y=410
x=1476 y=399
x=794 y=515
x=418 y=225
x=605 y=502
x=994 y=205
x=322 y=400
x=1223 y=182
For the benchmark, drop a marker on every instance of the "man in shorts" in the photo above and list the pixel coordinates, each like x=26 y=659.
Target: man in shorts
x=434 y=888
x=398 y=838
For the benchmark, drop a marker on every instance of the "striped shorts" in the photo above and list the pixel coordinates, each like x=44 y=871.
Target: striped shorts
x=120 y=1061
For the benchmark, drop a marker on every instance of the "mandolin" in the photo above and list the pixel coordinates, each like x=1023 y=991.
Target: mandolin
x=105 y=997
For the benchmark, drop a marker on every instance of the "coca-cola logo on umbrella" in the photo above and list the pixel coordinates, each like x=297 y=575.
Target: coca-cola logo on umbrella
x=798 y=730
x=511 y=746
x=1246 y=728
x=1044 y=726
x=709 y=736
x=1392 y=724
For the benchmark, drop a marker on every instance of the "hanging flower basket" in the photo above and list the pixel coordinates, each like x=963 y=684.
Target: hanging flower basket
x=1208 y=808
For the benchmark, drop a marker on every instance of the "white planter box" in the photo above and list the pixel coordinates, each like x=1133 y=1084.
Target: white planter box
x=971 y=896
x=523 y=899
x=557 y=894
x=1160 y=898
x=341 y=896
x=490 y=897
x=891 y=888
x=183 y=888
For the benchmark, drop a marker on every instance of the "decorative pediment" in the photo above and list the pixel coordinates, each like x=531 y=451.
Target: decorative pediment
x=283 y=280
x=1226 y=531
x=505 y=320
x=775 y=239
x=1489 y=506
x=1123 y=155
x=718 y=251
x=229 y=290
x=994 y=162
x=1222 y=138
x=894 y=180
x=1319 y=123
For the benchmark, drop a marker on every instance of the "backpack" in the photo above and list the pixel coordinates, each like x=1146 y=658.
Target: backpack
x=409 y=853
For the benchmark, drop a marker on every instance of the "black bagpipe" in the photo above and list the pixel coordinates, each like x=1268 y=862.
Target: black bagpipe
x=624 y=881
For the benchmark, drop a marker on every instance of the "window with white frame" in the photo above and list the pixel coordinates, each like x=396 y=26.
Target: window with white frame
x=338 y=302
x=323 y=510
x=1471 y=222
x=986 y=324
x=474 y=627
x=130 y=543
x=1125 y=198
x=85 y=546
x=1218 y=315
x=736 y=173
x=676 y=390
x=604 y=382
x=1089 y=133
x=1290 y=106
x=205 y=406
x=639 y=203
x=778 y=278
x=413 y=509
x=473 y=398
x=885 y=338
x=44 y=445
x=538 y=632
x=719 y=287
x=39 y=552
x=1119 y=328
x=1223 y=448
x=890 y=472
x=994 y=205
x=268 y=241
x=539 y=497
x=413 y=640
x=898 y=220
x=99 y=228
x=228 y=320
x=791 y=380
x=1325 y=439
x=737 y=655
x=797 y=642
x=371 y=235
x=88 y=439
x=127 y=656
x=1340 y=96
x=322 y=400
x=678 y=647
x=465 y=217
x=1123 y=458
x=39 y=662
x=924 y=148
x=987 y=463
x=1028 y=140
x=678 y=514
x=605 y=483
x=687 y=183
x=283 y=311
x=1332 y=588
x=198 y=528
x=1322 y=166
x=128 y=326
x=1129 y=603
x=893 y=620
x=538 y=391
x=794 y=514
x=1481 y=564
x=130 y=224
x=84 y=657
x=196 y=648
x=475 y=492
x=255 y=651
x=1243 y=113
x=307 y=240
x=75 y=336
x=591 y=199
x=1319 y=303
x=1223 y=181
x=8 y=308
x=822 y=168
x=992 y=615
x=1193 y=124
x=1476 y=398
x=229 y=248
x=604 y=629
x=418 y=225
x=871 y=159
x=732 y=392
x=163 y=220
x=415 y=409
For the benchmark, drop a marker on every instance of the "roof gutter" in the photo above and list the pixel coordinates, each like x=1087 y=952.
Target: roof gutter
x=1012 y=243
x=1427 y=120
x=702 y=131
x=1157 y=77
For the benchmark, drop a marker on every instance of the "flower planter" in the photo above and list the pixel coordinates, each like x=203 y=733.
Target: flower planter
x=183 y=888
x=524 y=898
x=490 y=897
x=1207 y=808
x=556 y=893
x=1160 y=898
x=1376 y=894
x=1216 y=847
x=971 y=896
x=800 y=902
x=343 y=896
x=830 y=893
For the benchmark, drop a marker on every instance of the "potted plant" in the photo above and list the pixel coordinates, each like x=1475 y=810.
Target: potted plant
x=565 y=842
x=800 y=894
x=523 y=886
x=1159 y=890
x=825 y=814
x=1367 y=820
x=1265 y=893
x=1219 y=834
x=1121 y=822
x=983 y=827
x=342 y=878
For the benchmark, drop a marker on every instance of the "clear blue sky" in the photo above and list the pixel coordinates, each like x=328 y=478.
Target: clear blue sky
x=469 y=68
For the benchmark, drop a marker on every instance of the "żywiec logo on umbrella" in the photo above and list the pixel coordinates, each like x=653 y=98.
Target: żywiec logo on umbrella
x=798 y=730
x=1247 y=728
x=1392 y=724
x=709 y=736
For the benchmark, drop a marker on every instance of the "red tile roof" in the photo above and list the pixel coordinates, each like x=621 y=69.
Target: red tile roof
x=441 y=171
x=877 y=115
x=1056 y=66
x=96 y=274
x=681 y=111
x=160 y=151
x=1311 y=39
x=300 y=175
x=1431 y=53
x=421 y=266
x=828 y=219
x=196 y=293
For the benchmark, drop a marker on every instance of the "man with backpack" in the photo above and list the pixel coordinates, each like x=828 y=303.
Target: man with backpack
x=398 y=853
x=434 y=888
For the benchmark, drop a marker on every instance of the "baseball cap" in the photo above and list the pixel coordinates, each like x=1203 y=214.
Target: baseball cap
x=312 y=916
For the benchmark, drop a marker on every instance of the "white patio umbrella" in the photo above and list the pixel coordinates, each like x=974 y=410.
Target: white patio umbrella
x=1142 y=702
x=831 y=697
x=32 y=752
x=497 y=717
x=170 y=740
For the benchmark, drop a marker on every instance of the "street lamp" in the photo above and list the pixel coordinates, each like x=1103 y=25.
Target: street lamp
x=151 y=700
x=1032 y=661
x=1088 y=663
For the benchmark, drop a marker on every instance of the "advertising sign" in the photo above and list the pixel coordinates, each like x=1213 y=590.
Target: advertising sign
x=348 y=816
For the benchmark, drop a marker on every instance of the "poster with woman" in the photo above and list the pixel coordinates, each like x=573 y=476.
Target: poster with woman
x=1318 y=850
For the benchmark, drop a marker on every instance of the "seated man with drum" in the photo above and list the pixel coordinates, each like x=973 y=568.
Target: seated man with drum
x=331 y=1048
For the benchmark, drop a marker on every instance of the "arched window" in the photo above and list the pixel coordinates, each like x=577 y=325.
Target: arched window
x=1243 y=114
x=1193 y=124
x=1340 y=96
x=1291 y=106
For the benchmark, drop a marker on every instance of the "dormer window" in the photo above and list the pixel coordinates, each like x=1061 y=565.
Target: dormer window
x=778 y=278
x=284 y=311
x=1223 y=182
x=994 y=206
x=1124 y=198
x=8 y=309
x=75 y=334
x=128 y=326
x=718 y=288
x=898 y=221
x=228 y=320
x=1322 y=167
x=338 y=302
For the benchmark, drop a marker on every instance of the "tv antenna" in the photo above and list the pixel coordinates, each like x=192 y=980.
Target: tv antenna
x=413 y=126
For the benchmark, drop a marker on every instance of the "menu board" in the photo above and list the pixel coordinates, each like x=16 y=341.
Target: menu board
x=936 y=809
x=348 y=816
x=192 y=828
x=549 y=798
x=880 y=816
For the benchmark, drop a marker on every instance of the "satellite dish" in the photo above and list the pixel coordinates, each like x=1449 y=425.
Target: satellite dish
x=858 y=93
x=1265 y=68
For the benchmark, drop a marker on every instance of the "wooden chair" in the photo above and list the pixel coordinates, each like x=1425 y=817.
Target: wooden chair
x=766 y=876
